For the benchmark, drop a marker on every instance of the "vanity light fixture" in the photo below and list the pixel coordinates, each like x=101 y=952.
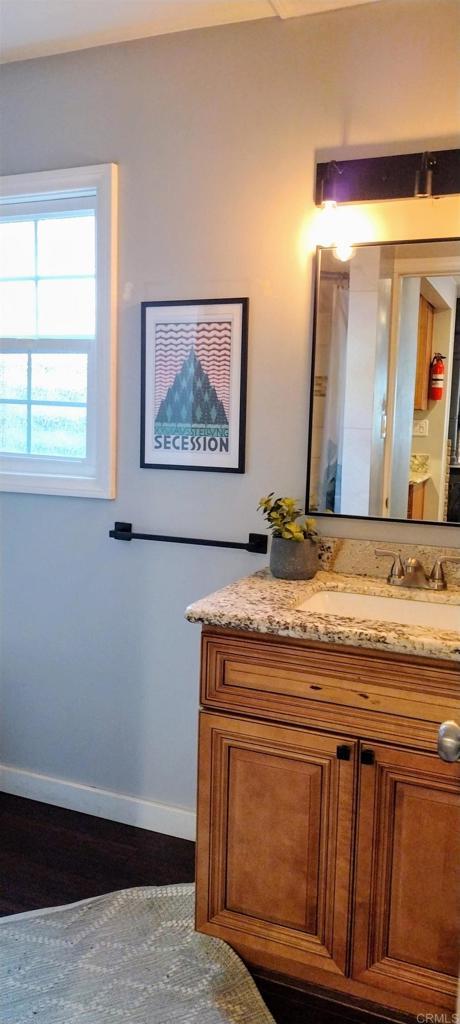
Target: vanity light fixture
x=389 y=177
x=342 y=183
x=424 y=176
x=329 y=184
x=343 y=250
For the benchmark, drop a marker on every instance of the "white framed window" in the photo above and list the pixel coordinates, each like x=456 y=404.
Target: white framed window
x=58 y=233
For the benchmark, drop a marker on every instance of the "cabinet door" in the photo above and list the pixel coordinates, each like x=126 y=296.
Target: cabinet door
x=274 y=841
x=416 y=502
x=407 y=926
x=424 y=343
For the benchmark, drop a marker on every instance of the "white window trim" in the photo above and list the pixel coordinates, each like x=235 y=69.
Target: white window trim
x=103 y=180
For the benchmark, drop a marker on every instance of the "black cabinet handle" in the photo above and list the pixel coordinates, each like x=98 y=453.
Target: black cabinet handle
x=367 y=757
x=343 y=752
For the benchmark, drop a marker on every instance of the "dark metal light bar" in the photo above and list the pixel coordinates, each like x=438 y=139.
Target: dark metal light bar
x=388 y=177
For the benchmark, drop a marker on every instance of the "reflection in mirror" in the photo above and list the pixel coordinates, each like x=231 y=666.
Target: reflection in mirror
x=385 y=416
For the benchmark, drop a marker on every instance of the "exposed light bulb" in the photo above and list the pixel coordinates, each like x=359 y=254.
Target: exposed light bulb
x=335 y=230
x=328 y=222
x=327 y=227
x=343 y=251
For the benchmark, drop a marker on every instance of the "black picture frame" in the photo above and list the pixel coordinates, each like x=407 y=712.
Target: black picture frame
x=177 y=338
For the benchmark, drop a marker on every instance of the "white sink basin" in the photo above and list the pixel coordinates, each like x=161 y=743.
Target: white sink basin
x=436 y=615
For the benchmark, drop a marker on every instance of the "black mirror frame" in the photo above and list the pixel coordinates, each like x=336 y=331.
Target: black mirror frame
x=316 y=283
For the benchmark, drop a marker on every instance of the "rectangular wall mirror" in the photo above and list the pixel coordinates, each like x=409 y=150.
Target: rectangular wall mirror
x=381 y=445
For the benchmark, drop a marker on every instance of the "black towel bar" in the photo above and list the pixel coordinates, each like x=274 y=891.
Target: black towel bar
x=257 y=542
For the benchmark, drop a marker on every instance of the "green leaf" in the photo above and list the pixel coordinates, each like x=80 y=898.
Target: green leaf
x=282 y=514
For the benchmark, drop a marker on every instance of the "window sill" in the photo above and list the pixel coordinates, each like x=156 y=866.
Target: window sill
x=71 y=487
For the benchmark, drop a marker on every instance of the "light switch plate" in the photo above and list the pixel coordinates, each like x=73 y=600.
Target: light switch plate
x=420 y=428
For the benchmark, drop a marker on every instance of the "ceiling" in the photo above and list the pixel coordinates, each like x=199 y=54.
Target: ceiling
x=37 y=28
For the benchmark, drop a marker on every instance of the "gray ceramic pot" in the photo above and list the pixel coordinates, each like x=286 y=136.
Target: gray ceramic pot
x=293 y=559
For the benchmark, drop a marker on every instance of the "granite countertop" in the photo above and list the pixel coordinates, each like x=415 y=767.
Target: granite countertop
x=267 y=605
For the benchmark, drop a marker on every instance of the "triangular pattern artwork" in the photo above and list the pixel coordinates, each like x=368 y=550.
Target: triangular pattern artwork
x=191 y=399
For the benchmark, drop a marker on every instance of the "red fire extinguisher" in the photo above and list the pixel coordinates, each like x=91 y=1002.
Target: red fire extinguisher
x=436 y=377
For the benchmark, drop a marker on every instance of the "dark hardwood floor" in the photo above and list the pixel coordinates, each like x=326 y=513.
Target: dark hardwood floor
x=50 y=856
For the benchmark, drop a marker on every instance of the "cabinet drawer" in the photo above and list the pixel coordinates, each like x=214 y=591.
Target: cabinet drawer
x=330 y=686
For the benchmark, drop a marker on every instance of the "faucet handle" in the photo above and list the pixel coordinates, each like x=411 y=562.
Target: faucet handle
x=397 y=569
x=437 y=579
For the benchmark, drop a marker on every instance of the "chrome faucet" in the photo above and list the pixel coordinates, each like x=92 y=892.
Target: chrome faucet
x=410 y=572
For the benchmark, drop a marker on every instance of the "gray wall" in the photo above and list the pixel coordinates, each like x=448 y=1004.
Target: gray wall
x=215 y=133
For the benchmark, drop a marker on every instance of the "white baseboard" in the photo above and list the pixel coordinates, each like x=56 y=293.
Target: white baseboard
x=172 y=821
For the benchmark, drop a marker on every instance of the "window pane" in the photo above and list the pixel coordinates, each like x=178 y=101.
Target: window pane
x=13 y=375
x=66 y=245
x=59 y=431
x=17 y=309
x=59 y=378
x=66 y=309
x=17 y=248
x=13 y=428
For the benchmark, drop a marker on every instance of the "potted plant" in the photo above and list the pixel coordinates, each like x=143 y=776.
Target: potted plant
x=294 y=550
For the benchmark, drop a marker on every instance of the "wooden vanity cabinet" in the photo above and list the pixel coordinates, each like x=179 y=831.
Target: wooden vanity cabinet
x=328 y=828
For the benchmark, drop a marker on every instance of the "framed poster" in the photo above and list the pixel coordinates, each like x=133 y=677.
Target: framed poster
x=193 y=384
